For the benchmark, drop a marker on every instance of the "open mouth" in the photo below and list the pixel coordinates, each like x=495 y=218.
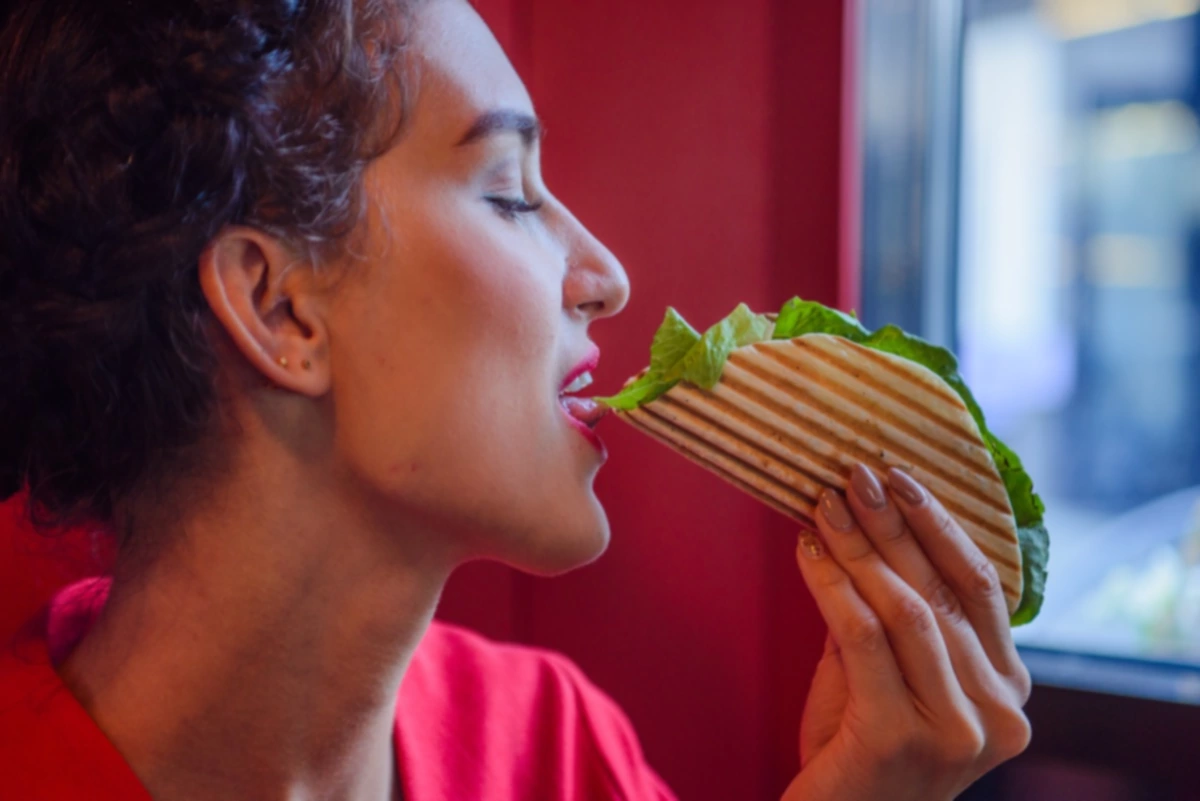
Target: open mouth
x=583 y=410
x=583 y=413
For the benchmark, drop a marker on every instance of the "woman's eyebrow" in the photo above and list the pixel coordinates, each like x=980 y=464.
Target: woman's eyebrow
x=504 y=121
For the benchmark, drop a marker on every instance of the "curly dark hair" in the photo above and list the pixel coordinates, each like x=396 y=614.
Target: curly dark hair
x=131 y=132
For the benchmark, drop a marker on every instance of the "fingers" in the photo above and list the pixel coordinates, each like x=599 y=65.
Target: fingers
x=967 y=571
x=888 y=531
x=872 y=674
x=910 y=624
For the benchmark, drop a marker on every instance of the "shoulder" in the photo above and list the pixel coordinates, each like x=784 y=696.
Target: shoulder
x=50 y=750
x=524 y=711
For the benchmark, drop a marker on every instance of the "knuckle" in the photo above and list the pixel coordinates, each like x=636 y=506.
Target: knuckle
x=965 y=746
x=945 y=526
x=1023 y=683
x=1011 y=734
x=970 y=747
x=865 y=632
x=982 y=581
x=910 y=613
x=943 y=601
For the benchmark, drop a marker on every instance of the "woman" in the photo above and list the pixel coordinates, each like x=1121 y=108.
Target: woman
x=285 y=302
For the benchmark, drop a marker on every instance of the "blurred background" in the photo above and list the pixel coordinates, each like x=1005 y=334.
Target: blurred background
x=1031 y=199
x=1016 y=179
x=1032 y=202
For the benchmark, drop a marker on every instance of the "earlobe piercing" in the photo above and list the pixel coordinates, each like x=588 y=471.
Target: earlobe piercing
x=283 y=362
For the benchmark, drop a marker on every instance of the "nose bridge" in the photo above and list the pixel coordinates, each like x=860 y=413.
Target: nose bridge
x=595 y=277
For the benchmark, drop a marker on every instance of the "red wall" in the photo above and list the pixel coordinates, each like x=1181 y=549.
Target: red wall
x=702 y=140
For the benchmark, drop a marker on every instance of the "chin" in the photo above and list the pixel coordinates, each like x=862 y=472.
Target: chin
x=572 y=541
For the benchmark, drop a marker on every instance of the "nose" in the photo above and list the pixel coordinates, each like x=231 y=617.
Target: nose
x=595 y=285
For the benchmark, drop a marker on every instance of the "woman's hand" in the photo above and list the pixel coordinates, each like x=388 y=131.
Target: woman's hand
x=920 y=690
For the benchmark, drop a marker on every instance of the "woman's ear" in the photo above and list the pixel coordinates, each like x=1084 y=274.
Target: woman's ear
x=272 y=306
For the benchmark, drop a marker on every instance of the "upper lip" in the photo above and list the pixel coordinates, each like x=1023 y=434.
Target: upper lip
x=585 y=365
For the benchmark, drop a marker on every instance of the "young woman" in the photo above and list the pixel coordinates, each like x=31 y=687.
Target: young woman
x=285 y=302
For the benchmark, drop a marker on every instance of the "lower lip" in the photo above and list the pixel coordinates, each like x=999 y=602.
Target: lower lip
x=587 y=433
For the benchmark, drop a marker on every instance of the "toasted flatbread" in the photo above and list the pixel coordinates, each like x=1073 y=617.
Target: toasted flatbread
x=790 y=418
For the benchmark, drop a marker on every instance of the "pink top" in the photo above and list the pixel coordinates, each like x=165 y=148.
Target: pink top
x=475 y=720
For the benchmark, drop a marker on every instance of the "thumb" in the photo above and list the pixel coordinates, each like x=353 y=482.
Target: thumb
x=826 y=703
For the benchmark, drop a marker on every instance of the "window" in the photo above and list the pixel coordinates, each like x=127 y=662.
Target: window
x=1032 y=199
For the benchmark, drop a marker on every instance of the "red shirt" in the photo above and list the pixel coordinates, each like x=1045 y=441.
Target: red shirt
x=475 y=720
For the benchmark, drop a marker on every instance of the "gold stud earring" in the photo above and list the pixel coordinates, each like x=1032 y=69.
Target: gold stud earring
x=306 y=364
x=283 y=362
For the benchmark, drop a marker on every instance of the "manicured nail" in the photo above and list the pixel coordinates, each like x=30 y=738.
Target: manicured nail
x=811 y=547
x=867 y=487
x=836 y=512
x=908 y=489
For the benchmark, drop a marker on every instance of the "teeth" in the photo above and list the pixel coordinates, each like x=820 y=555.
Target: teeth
x=582 y=382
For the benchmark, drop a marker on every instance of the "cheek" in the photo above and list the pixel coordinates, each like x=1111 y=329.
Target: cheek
x=505 y=281
x=467 y=285
x=449 y=363
x=503 y=316
x=500 y=282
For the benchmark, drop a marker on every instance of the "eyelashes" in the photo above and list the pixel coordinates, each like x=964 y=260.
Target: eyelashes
x=510 y=208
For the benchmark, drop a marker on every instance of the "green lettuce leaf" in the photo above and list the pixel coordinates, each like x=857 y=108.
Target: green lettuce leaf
x=705 y=360
x=1035 y=555
x=671 y=344
x=799 y=317
x=679 y=353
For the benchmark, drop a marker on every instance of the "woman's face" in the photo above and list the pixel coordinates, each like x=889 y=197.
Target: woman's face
x=452 y=339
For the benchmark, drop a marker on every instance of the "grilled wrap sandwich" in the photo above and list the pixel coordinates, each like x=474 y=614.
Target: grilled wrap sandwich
x=782 y=407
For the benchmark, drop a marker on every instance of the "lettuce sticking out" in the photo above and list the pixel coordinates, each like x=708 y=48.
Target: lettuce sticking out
x=671 y=344
x=799 y=317
x=679 y=353
x=705 y=360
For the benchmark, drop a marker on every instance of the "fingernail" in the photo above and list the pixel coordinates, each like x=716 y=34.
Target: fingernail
x=867 y=487
x=811 y=547
x=835 y=511
x=906 y=487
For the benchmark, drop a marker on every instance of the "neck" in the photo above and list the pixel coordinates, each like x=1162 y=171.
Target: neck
x=260 y=654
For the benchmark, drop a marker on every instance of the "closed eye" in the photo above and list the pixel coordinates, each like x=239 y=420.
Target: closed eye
x=510 y=208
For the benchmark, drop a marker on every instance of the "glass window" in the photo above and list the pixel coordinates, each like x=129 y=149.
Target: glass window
x=1073 y=213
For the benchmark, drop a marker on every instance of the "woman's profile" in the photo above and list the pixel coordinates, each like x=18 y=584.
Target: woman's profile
x=286 y=304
